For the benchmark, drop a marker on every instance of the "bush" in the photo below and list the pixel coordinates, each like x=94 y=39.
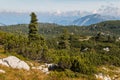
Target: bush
x=80 y=66
x=64 y=62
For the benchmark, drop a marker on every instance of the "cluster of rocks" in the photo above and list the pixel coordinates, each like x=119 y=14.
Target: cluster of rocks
x=107 y=49
x=45 y=68
x=115 y=76
x=14 y=62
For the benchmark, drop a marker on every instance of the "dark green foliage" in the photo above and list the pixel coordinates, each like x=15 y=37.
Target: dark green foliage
x=33 y=47
x=64 y=40
x=19 y=44
x=33 y=28
x=78 y=65
x=36 y=48
x=101 y=37
x=64 y=62
x=15 y=43
x=74 y=41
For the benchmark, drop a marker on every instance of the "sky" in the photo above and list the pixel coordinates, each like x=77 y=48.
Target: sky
x=55 y=5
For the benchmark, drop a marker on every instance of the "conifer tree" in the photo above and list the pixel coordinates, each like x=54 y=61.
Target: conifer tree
x=33 y=28
x=64 y=40
x=37 y=47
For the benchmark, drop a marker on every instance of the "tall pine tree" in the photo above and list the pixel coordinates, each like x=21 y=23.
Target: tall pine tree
x=36 y=48
x=33 y=28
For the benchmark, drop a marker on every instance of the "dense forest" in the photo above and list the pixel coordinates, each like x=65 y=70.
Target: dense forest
x=77 y=50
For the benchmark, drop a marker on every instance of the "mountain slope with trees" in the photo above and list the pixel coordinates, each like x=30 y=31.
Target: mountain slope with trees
x=65 y=46
x=108 y=27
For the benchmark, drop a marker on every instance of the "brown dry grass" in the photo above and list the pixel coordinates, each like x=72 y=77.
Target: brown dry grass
x=16 y=74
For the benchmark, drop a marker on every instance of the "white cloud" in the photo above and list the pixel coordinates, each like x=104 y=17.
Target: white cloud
x=95 y=12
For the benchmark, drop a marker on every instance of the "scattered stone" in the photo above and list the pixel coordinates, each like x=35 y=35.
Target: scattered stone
x=47 y=73
x=33 y=68
x=40 y=67
x=45 y=70
x=45 y=67
x=85 y=49
x=102 y=77
x=106 y=49
x=2 y=71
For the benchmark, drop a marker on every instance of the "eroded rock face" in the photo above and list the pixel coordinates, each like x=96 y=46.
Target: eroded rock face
x=14 y=62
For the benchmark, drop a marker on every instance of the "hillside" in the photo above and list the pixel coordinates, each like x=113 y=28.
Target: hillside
x=109 y=27
x=60 y=40
x=78 y=53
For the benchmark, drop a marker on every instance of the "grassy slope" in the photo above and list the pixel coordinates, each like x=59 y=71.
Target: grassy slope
x=20 y=74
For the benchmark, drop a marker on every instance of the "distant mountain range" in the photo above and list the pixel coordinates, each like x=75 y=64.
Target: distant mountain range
x=63 y=18
x=92 y=19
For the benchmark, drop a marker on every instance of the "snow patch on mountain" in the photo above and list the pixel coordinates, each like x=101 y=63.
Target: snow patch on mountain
x=85 y=21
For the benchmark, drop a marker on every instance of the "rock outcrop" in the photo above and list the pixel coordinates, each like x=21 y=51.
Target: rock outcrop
x=14 y=62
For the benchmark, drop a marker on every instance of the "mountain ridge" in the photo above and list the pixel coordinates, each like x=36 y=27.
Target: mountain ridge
x=63 y=18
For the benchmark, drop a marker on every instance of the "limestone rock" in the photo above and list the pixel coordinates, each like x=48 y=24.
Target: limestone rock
x=45 y=67
x=106 y=49
x=14 y=62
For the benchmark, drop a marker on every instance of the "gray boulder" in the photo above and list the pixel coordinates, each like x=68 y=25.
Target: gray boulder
x=14 y=62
